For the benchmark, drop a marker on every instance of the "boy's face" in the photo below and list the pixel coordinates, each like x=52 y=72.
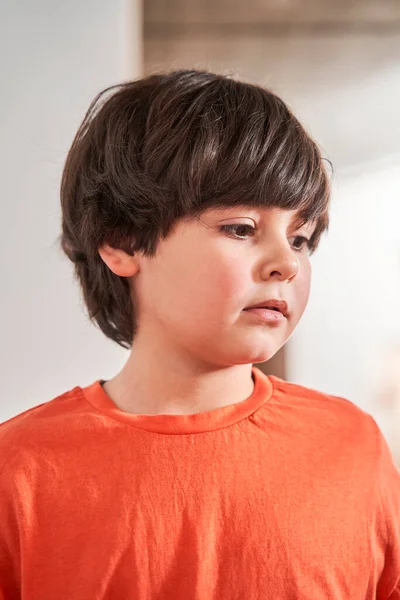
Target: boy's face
x=190 y=297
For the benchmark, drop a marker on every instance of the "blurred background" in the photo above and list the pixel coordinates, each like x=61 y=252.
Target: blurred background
x=337 y=65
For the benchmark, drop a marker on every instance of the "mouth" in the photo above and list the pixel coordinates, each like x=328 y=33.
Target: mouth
x=273 y=305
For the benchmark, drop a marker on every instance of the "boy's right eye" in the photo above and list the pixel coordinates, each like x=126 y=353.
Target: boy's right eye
x=236 y=230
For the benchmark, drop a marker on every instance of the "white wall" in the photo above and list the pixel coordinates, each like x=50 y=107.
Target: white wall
x=349 y=337
x=55 y=57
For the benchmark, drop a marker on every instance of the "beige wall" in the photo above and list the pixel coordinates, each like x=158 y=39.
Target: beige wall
x=337 y=64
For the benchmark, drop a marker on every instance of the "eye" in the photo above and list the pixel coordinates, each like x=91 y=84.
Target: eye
x=238 y=229
x=300 y=242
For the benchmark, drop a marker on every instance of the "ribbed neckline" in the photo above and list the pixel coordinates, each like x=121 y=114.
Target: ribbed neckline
x=184 y=424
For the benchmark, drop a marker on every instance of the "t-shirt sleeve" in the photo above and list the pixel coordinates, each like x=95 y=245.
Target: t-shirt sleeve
x=388 y=481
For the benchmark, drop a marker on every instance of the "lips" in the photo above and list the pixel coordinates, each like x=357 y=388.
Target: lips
x=272 y=304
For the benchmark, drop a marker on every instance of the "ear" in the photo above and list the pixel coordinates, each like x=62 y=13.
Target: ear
x=118 y=261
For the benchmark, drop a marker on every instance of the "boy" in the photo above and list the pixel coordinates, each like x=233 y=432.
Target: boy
x=191 y=204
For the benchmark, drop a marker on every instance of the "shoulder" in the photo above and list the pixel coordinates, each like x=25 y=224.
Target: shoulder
x=345 y=428
x=327 y=411
x=310 y=395
x=27 y=433
x=350 y=438
x=36 y=415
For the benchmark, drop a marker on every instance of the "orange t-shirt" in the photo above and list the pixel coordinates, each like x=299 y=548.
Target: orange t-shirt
x=290 y=494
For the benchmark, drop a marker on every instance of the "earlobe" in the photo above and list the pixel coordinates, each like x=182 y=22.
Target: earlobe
x=118 y=261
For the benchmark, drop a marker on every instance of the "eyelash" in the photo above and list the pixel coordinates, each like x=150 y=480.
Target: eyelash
x=229 y=229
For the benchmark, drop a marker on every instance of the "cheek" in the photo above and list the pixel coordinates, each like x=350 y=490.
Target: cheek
x=226 y=280
x=209 y=286
x=303 y=285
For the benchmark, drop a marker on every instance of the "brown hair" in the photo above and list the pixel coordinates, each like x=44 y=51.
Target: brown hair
x=167 y=147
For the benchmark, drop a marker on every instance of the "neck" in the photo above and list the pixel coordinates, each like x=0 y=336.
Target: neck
x=154 y=382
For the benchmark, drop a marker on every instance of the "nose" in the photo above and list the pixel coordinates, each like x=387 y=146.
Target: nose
x=281 y=264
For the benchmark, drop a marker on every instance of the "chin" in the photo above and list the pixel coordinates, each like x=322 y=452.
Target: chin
x=264 y=352
x=253 y=355
x=263 y=357
x=261 y=350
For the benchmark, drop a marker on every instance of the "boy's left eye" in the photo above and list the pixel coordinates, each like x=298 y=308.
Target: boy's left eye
x=243 y=231
x=300 y=242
